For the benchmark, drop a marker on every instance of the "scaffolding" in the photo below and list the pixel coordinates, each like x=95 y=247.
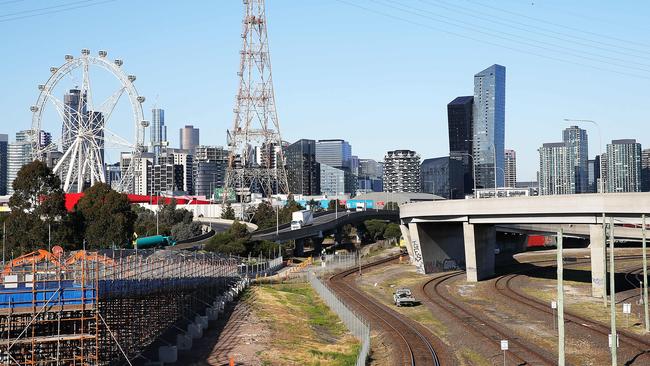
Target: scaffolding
x=103 y=308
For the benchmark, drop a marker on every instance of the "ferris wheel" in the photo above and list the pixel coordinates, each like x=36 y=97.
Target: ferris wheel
x=81 y=133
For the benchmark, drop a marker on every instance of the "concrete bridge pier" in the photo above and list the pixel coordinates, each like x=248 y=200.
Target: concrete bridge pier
x=598 y=253
x=318 y=245
x=480 y=242
x=436 y=247
x=299 y=248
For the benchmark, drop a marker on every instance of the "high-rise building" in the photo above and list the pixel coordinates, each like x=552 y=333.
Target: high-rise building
x=624 y=166
x=510 y=168
x=371 y=168
x=402 y=171
x=460 y=123
x=593 y=175
x=19 y=153
x=645 y=170
x=113 y=175
x=184 y=162
x=78 y=118
x=556 y=169
x=189 y=138
x=158 y=129
x=142 y=173
x=209 y=169
x=489 y=126
x=44 y=138
x=335 y=181
x=440 y=177
x=303 y=172
x=577 y=141
x=4 y=146
x=354 y=165
x=335 y=153
x=370 y=178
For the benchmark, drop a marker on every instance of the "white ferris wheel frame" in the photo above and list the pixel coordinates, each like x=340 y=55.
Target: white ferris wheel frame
x=82 y=159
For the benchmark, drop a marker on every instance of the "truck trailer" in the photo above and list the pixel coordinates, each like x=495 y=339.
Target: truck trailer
x=301 y=218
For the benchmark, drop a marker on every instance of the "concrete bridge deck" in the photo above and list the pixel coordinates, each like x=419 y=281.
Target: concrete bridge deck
x=463 y=232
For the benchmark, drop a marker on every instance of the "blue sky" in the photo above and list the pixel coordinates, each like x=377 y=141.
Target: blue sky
x=377 y=76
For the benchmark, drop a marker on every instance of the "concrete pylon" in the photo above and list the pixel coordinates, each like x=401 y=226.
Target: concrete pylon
x=480 y=241
x=597 y=246
x=406 y=234
x=299 y=249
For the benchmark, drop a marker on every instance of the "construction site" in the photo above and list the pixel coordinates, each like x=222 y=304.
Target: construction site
x=107 y=307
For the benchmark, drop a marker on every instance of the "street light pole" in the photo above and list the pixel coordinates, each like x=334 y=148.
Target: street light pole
x=645 y=276
x=612 y=293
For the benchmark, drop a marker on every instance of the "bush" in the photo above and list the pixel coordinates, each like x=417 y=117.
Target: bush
x=183 y=231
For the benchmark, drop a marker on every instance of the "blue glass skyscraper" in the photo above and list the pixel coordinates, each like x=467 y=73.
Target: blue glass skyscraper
x=488 y=142
x=158 y=129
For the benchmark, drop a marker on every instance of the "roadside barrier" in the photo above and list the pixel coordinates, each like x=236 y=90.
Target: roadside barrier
x=357 y=326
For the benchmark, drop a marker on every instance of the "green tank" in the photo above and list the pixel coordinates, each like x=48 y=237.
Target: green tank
x=155 y=241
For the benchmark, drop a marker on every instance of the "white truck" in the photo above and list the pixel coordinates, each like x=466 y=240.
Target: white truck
x=302 y=218
x=361 y=206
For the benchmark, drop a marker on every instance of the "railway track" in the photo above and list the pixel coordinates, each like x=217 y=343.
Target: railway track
x=523 y=353
x=504 y=286
x=413 y=340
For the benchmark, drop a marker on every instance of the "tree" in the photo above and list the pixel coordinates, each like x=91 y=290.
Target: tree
x=231 y=241
x=264 y=215
x=38 y=204
x=286 y=212
x=375 y=228
x=391 y=206
x=315 y=205
x=107 y=217
x=392 y=232
x=226 y=243
x=332 y=205
x=228 y=212
x=183 y=231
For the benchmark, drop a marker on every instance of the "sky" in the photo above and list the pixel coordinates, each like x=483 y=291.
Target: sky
x=378 y=73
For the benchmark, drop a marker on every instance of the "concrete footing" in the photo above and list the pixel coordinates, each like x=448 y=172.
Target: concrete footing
x=195 y=330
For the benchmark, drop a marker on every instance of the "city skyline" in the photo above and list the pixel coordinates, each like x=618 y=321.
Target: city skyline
x=354 y=97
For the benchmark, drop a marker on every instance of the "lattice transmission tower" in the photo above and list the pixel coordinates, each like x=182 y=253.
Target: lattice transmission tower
x=256 y=157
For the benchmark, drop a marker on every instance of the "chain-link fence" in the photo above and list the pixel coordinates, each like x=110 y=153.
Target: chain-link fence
x=357 y=326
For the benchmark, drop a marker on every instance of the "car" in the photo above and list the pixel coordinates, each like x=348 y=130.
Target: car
x=403 y=296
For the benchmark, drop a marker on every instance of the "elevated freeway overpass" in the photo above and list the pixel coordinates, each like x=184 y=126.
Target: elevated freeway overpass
x=324 y=224
x=463 y=232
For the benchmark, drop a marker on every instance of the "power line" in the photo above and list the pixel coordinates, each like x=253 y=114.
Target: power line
x=46 y=10
x=10 y=2
x=526 y=27
x=509 y=36
x=483 y=41
x=557 y=24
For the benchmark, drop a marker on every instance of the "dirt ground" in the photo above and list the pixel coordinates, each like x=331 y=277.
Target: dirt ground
x=583 y=348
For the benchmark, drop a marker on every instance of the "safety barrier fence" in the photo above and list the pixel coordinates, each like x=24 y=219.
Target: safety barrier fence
x=355 y=323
